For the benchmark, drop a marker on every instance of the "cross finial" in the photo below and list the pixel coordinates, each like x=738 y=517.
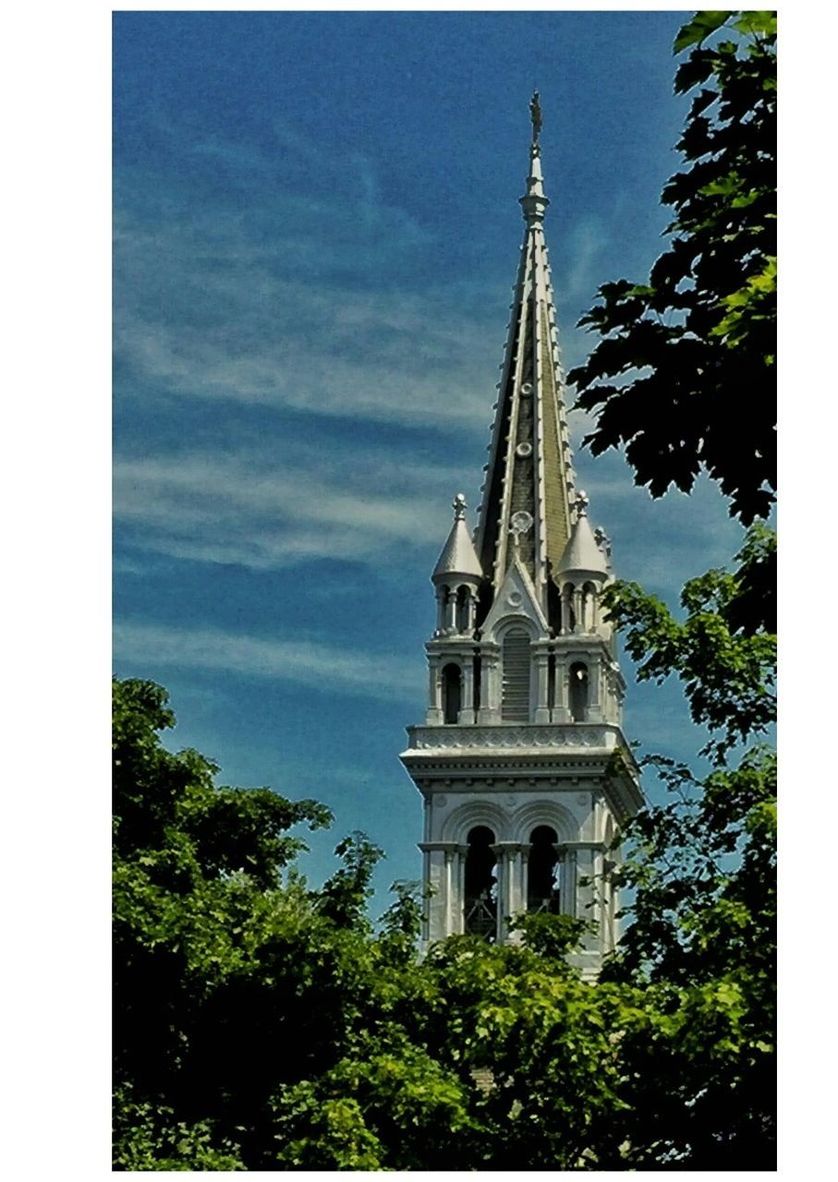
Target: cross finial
x=459 y=506
x=535 y=115
x=581 y=503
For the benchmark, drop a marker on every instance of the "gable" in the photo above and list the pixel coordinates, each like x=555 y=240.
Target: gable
x=516 y=600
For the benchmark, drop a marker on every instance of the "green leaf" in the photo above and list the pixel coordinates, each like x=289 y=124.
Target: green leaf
x=701 y=26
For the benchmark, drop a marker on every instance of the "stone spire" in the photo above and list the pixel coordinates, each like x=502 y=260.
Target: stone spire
x=458 y=556
x=521 y=760
x=529 y=483
x=583 y=554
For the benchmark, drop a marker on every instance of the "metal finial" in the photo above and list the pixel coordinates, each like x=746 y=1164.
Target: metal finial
x=535 y=115
x=581 y=503
x=459 y=506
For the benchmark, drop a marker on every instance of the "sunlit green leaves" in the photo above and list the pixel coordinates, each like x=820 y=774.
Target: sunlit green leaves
x=683 y=356
x=701 y=26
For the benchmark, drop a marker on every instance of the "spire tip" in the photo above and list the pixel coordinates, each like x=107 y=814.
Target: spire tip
x=535 y=116
x=581 y=503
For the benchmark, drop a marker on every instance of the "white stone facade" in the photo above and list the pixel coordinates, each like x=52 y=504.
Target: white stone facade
x=575 y=777
x=522 y=763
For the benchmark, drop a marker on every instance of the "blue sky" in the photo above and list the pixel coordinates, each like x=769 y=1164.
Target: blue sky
x=317 y=230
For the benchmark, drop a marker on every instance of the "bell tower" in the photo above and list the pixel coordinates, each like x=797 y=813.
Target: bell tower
x=522 y=763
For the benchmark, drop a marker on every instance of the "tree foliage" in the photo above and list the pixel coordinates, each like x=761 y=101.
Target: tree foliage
x=264 y=1025
x=723 y=651
x=260 y=1024
x=701 y=868
x=684 y=375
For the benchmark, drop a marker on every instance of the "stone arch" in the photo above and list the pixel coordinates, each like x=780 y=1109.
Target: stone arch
x=544 y=812
x=471 y=814
x=514 y=620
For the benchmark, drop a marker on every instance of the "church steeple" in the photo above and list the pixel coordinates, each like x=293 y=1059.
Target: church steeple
x=521 y=760
x=529 y=484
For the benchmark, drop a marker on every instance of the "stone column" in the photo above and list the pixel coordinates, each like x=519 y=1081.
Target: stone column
x=564 y=625
x=426 y=896
x=594 y=712
x=442 y=883
x=585 y=868
x=567 y=880
x=577 y=608
x=490 y=686
x=450 y=865
x=525 y=867
x=561 y=711
x=434 y=715
x=466 y=714
x=510 y=900
x=441 y=593
x=542 y=709
x=458 y=924
x=472 y=609
x=451 y=611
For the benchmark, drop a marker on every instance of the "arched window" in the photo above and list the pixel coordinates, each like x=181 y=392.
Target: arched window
x=543 y=871
x=578 y=695
x=451 y=693
x=515 y=700
x=481 y=903
x=462 y=609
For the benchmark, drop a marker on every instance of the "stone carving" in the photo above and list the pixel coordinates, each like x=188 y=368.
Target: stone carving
x=508 y=737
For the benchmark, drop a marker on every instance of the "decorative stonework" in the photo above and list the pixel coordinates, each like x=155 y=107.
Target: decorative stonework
x=511 y=738
x=522 y=731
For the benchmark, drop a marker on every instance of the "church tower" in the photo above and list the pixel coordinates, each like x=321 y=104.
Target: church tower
x=522 y=763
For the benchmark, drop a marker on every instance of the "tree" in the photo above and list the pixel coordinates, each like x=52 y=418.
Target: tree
x=699 y=1081
x=684 y=375
x=260 y=1024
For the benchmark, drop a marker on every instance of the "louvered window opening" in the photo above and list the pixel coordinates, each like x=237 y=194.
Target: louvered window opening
x=515 y=701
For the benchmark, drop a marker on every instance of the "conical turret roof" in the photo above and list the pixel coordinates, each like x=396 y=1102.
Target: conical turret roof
x=582 y=552
x=458 y=555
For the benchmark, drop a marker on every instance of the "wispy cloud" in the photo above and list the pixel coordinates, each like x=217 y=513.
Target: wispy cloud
x=317 y=503
x=318 y=303
x=306 y=662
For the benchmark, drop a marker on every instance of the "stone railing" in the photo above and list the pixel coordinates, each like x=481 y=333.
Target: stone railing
x=505 y=737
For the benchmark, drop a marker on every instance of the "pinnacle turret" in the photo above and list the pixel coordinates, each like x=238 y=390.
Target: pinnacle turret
x=583 y=554
x=458 y=555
